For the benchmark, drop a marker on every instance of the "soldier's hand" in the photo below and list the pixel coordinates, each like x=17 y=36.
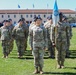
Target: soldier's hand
x=30 y=48
x=54 y=44
x=45 y=48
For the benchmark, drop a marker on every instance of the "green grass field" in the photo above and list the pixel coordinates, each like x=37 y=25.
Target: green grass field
x=14 y=66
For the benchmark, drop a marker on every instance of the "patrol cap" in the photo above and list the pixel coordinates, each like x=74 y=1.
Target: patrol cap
x=38 y=18
x=6 y=21
x=23 y=19
x=49 y=17
x=10 y=19
x=20 y=20
x=3 y=21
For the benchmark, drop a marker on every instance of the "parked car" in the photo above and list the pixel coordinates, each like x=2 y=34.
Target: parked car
x=73 y=24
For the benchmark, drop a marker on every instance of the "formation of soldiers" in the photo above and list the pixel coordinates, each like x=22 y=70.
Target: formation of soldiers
x=9 y=33
x=55 y=39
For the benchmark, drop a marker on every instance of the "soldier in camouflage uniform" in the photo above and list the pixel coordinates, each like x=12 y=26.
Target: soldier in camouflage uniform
x=48 y=26
x=60 y=42
x=19 y=34
x=5 y=38
x=38 y=42
x=68 y=35
x=12 y=41
x=27 y=31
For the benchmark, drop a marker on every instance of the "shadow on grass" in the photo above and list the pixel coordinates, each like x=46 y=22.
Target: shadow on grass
x=71 y=67
x=72 y=54
x=58 y=73
x=71 y=57
x=15 y=57
x=28 y=54
x=62 y=73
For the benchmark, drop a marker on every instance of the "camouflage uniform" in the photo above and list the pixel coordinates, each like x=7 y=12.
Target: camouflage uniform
x=27 y=31
x=60 y=42
x=69 y=35
x=11 y=41
x=5 y=38
x=48 y=26
x=19 y=34
x=38 y=41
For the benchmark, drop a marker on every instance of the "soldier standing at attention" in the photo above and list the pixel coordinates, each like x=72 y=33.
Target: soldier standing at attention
x=11 y=26
x=27 y=31
x=5 y=38
x=60 y=42
x=48 y=26
x=68 y=35
x=38 y=42
x=19 y=34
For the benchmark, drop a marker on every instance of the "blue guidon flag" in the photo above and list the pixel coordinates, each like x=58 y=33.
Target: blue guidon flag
x=55 y=14
x=33 y=6
x=18 y=6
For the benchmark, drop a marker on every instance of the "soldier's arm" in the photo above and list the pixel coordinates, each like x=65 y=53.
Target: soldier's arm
x=31 y=38
x=71 y=32
x=53 y=35
x=45 y=37
x=11 y=32
x=14 y=32
x=26 y=31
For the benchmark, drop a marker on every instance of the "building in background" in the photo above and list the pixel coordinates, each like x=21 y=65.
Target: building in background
x=29 y=14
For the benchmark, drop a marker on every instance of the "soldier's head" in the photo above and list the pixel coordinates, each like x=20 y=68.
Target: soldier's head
x=49 y=19
x=38 y=20
x=7 y=22
x=23 y=19
x=20 y=22
x=60 y=16
x=10 y=21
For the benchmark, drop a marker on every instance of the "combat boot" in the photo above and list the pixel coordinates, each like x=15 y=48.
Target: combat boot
x=36 y=71
x=62 y=64
x=41 y=71
x=5 y=56
x=58 y=64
